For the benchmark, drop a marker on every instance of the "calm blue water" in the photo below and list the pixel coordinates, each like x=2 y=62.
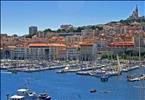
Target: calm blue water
x=70 y=86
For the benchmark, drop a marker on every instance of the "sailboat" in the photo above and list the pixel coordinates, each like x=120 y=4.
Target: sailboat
x=117 y=71
x=141 y=76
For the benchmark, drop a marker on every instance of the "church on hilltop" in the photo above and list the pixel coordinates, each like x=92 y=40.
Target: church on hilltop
x=135 y=15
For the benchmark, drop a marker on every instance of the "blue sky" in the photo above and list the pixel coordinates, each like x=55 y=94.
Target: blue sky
x=17 y=16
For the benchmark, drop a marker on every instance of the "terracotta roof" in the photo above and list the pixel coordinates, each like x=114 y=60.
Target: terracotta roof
x=121 y=43
x=11 y=46
x=86 y=43
x=44 y=45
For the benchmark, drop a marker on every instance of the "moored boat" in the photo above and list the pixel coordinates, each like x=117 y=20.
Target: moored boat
x=44 y=96
x=26 y=94
x=92 y=91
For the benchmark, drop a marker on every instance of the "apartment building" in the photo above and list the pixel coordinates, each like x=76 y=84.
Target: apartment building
x=19 y=53
x=85 y=51
x=73 y=38
x=32 y=29
x=72 y=52
x=8 y=52
x=88 y=33
x=43 y=51
x=62 y=54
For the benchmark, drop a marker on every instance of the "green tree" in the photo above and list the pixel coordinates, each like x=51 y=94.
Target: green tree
x=99 y=28
x=30 y=35
x=47 y=30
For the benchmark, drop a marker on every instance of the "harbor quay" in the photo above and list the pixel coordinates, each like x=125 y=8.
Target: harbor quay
x=96 y=68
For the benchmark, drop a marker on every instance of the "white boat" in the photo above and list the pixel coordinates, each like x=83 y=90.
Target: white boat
x=26 y=94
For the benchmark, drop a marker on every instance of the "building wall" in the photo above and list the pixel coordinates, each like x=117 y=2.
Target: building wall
x=85 y=52
x=43 y=52
x=40 y=34
x=74 y=38
x=88 y=33
x=72 y=53
x=19 y=53
x=102 y=43
x=62 y=55
x=32 y=29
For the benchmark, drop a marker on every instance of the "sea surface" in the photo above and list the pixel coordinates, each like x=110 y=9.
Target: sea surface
x=69 y=86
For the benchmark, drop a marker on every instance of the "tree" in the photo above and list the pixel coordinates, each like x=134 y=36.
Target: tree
x=79 y=29
x=30 y=35
x=58 y=31
x=47 y=30
x=63 y=30
x=93 y=27
x=99 y=28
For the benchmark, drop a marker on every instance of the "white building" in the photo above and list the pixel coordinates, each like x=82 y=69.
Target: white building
x=43 y=51
x=72 y=53
x=19 y=53
x=74 y=38
x=94 y=51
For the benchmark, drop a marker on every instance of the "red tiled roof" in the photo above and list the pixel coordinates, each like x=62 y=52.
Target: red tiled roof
x=44 y=45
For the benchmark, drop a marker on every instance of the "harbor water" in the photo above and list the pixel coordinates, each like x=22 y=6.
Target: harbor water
x=69 y=86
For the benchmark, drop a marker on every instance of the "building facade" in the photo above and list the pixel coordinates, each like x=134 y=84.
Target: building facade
x=74 y=38
x=32 y=29
x=43 y=51
x=72 y=53
x=85 y=52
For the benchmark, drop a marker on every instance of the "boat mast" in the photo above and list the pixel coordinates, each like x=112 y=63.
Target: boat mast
x=118 y=62
x=140 y=68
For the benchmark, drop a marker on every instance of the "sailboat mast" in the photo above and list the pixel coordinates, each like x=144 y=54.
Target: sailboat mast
x=119 y=68
x=140 y=69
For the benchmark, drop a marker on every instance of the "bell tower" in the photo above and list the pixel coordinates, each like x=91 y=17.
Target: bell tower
x=136 y=11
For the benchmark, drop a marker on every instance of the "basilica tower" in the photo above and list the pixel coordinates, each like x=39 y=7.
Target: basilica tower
x=136 y=11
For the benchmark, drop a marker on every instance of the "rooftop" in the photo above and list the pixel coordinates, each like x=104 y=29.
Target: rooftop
x=45 y=45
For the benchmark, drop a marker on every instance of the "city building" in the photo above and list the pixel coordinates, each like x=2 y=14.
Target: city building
x=102 y=42
x=43 y=51
x=32 y=29
x=8 y=52
x=66 y=27
x=72 y=52
x=69 y=34
x=88 y=33
x=19 y=53
x=121 y=45
x=85 y=52
x=40 y=34
x=73 y=38
x=1 y=53
x=62 y=54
